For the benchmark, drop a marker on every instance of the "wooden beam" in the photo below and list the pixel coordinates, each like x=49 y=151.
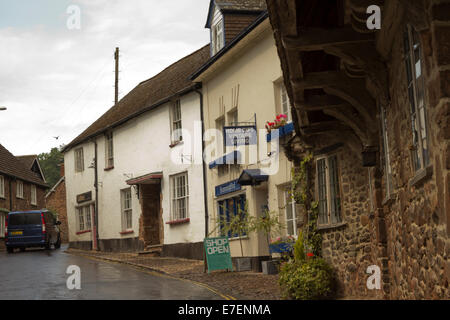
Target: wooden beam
x=320 y=102
x=321 y=127
x=313 y=39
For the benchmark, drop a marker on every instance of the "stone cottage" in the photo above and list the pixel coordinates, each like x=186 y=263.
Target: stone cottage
x=373 y=107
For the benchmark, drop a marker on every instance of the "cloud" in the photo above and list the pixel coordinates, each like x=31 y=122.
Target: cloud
x=56 y=82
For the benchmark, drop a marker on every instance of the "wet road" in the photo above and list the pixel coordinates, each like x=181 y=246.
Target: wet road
x=41 y=274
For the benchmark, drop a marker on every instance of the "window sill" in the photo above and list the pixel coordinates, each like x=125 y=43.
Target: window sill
x=127 y=232
x=175 y=143
x=81 y=232
x=332 y=226
x=387 y=201
x=181 y=221
x=108 y=168
x=238 y=238
x=421 y=176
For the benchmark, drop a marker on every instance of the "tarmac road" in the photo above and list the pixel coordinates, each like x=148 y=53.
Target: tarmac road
x=39 y=274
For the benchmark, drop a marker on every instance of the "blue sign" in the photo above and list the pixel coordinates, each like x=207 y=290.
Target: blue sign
x=228 y=187
x=240 y=136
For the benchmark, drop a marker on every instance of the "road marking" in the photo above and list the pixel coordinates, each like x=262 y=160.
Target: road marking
x=155 y=273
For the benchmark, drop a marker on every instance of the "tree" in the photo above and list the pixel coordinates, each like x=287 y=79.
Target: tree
x=49 y=163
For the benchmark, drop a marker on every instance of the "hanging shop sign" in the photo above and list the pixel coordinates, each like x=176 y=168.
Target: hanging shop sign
x=218 y=256
x=240 y=136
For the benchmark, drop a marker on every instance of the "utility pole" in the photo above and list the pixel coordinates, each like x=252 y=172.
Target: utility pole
x=116 y=84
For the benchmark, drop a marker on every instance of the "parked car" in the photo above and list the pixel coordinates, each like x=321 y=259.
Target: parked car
x=37 y=228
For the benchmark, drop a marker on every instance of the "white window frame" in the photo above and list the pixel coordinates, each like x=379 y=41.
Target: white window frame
x=176 y=124
x=79 y=159
x=33 y=195
x=2 y=187
x=127 y=209
x=179 y=194
x=84 y=217
x=416 y=92
x=289 y=202
x=19 y=189
x=285 y=104
x=218 y=40
x=109 y=150
x=328 y=191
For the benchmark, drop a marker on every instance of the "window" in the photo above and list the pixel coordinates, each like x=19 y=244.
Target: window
x=127 y=211
x=328 y=190
x=109 y=151
x=79 y=160
x=33 y=195
x=84 y=218
x=233 y=118
x=19 y=189
x=416 y=92
x=180 y=196
x=176 y=122
x=285 y=104
x=2 y=187
x=386 y=161
x=220 y=124
x=291 y=216
x=228 y=209
x=217 y=37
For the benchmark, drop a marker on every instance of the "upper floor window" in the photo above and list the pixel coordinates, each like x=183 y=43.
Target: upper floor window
x=176 y=121
x=217 y=37
x=179 y=196
x=19 y=189
x=284 y=103
x=220 y=124
x=416 y=92
x=79 y=160
x=109 y=150
x=33 y=195
x=2 y=187
x=328 y=190
x=127 y=211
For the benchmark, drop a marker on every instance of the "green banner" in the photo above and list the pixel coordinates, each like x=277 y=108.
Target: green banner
x=218 y=255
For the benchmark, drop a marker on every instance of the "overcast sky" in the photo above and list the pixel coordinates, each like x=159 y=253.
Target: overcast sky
x=56 y=81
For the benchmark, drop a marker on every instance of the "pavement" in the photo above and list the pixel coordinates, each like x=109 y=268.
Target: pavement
x=39 y=274
x=233 y=285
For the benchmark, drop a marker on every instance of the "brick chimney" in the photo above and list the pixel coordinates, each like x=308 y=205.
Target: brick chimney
x=61 y=169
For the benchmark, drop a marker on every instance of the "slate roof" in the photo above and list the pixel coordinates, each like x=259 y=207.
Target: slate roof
x=149 y=94
x=12 y=166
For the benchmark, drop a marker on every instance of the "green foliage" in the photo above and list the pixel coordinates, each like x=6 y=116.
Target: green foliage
x=308 y=280
x=299 y=249
x=49 y=164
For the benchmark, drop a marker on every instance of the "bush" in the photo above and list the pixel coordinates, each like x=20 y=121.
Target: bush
x=299 y=249
x=306 y=280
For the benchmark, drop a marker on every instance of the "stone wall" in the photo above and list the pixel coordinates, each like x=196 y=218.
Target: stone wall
x=350 y=247
x=417 y=217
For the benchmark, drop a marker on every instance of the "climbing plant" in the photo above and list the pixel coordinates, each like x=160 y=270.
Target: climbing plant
x=301 y=194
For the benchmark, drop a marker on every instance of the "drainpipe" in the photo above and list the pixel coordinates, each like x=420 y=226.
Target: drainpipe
x=205 y=198
x=96 y=247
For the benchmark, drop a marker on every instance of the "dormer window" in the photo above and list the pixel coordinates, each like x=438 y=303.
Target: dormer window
x=217 y=37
